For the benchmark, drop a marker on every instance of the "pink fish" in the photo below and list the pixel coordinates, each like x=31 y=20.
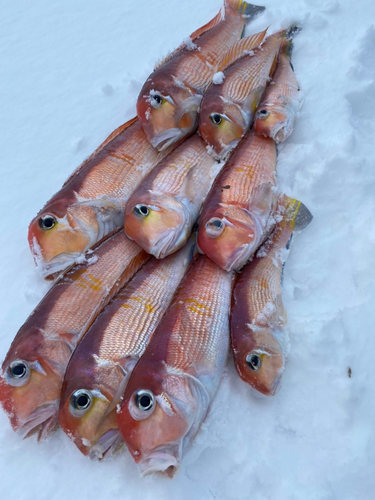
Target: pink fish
x=173 y=384
x=258 y=319
x=33 y=370
x=169 y=101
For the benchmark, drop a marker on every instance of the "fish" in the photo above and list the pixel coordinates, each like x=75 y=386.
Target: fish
x=160 y=214
x=32 y=373
x=281 y=102
x=169 y=101
x=100 y=367
x=228 y=108
x=237 y=215
x=92 y=201
x=172 y=385
x=259 y=334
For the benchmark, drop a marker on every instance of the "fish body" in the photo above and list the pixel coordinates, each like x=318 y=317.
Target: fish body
x=173 y=384
x=259 y=335
x=277 y=112
x=227 y=109
x=169 y=101
x=160 y=214
x=101 y=365
x=237 y=215
x=33 y=370
x=92 y=201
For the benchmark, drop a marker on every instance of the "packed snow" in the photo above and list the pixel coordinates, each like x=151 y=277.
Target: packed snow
x=71 y=72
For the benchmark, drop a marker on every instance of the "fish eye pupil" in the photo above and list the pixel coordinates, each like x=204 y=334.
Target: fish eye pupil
x=216 y=118
x=47 y=222
x=254 y=361
x=144 y=400
x=157 y=98
x=141 y=210
x=17 y=370
x=82 y=401
x=263 y=111
x=217 y=223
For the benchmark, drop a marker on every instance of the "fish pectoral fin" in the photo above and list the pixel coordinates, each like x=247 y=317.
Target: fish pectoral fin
x=116 y=400
x=262 y=201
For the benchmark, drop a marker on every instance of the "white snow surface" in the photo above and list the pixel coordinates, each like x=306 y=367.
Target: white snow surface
x=71 y=72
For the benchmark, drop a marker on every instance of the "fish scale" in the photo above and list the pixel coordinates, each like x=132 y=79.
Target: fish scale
x=259 y=334
x=111 y=173
x=47 y=339
x=179 y=372
x=114 y=343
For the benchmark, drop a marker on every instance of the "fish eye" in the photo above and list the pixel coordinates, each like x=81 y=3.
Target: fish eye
x=18 y=373
x=144 y=400
x=263 y=114
x=156 y=100
x=80 y=401
x=216 y=118
x=141 y=210
x=254 y=362
x=215 y=227
x=47 y=222
x=18 y=369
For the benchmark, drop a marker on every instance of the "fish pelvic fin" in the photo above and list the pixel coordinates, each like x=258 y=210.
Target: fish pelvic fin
x=240 y=49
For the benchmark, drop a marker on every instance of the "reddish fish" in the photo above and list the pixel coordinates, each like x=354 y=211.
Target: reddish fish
x=101 y=365
x=160 y=214
x=258 y=320
x=169 y=101
x=173 y=384
x=91 y=203
x=277 y=112
x=228 y=107
x=33 y=370
x=237 y=215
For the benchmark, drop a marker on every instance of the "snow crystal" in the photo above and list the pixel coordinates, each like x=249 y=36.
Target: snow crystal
x=218 y=78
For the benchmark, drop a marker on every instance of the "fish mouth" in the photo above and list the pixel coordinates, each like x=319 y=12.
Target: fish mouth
x=280 y=131
x=227 y=149
x=166 y=458
x=107 y=445
x=42 y=420
x=164 y=139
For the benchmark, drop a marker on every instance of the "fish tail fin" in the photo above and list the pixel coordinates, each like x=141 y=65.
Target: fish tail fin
x=246 y=10
x=286 y=46
x=297 y=213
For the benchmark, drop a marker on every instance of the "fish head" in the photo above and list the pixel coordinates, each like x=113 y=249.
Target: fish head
x=30 y=384
x=260 y=364
x=158 y=222
x=273 y=122
x=167 y=110
x=160 y=413
x=86 y=417
x=222 y=124
x=229 y=235
x=58 y=238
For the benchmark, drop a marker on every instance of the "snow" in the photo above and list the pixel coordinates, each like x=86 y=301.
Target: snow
x=71 y=73
x=218 y=78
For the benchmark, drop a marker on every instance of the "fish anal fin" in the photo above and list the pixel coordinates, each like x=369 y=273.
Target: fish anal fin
x=241 y=49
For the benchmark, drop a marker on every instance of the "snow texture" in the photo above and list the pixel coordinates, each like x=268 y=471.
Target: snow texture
x=71 y=72
x=218 y=78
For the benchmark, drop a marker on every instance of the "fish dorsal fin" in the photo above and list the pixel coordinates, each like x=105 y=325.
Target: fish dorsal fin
x=110 y=138
x=240 y=49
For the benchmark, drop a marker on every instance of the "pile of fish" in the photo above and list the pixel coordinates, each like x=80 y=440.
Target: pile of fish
x=130 y=343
